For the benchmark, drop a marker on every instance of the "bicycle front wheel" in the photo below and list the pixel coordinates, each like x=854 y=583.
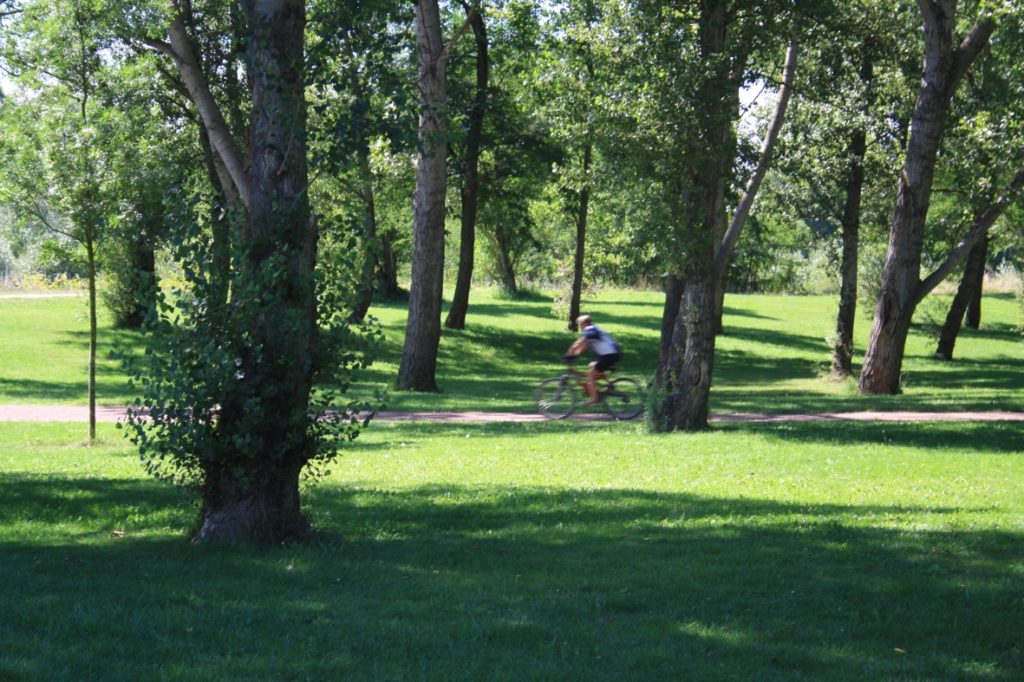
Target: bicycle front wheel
x=623 y=399
x=555 y=398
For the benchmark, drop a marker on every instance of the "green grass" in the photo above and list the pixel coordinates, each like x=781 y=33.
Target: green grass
x=770 y=358
x=825 y=551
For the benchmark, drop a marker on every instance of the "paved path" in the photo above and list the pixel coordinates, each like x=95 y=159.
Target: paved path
x=76 y=413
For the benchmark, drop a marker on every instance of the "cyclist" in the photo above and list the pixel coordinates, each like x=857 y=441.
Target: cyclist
x=602 y=346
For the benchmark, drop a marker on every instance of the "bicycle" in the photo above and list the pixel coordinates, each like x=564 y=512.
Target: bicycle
x=556 y=398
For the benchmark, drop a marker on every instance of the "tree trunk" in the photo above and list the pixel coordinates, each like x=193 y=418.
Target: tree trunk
x=471 y=180
x=691 y=359
x=731 y=233
x=252 y=491
x=388 y=267
x=973 y=319
x=842 y=345
x=265 y=510
x=503 y=261
x=143 y=264
x=220 y=225
x=581 y=236
x=90 y=255
x=673 y=300
x=686 y=376
x=423 y=329
x=371 y=242
x=970 y=284
x=944 y=65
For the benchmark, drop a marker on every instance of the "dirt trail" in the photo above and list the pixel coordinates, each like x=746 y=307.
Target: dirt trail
x=77 y=413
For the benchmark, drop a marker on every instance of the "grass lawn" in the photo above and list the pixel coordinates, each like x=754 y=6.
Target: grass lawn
x=769 y=359
x=824 y=551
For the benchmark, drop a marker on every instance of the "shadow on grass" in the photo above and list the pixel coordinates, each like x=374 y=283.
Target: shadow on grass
x=956 y=438
x=449 y=582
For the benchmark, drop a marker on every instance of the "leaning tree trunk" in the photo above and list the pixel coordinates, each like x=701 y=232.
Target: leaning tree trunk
x=731 y=233
x=252 y=491
x=581 y=236
x=471 y=180
x=945 y=63
x=973 y=319
x=970 y=282
x=423 y=329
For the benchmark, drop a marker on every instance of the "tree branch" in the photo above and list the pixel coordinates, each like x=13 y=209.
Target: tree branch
x=764 y=160
x=971 y=47
x=447 y=51
x=982 y=223
x=221 y=140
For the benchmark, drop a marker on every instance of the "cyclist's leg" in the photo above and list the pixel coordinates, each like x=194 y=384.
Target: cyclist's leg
x=591 y=383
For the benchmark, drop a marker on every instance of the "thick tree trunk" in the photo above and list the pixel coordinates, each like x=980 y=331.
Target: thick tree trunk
x=423 y=329
x=471 y=180
x=263 y=508
x=581 y=236
x=686 y=376
x=970 y=284
x=944 y=66
x=691 y=358
x=252 y=491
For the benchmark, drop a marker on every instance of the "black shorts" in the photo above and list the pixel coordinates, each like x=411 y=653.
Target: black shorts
x=607 y=361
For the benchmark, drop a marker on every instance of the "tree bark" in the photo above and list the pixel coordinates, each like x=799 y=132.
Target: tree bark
x=944 y=66
x=471 y=179
x=691 y=358
x=371 y=241
x=970 y=285
x=90 y=255
x=581 y=236
x=673 y=300
x=842 y=346
x=423 y=329
x=252 y=491
x=224 y=144
x=686 y=376
x=973 y=319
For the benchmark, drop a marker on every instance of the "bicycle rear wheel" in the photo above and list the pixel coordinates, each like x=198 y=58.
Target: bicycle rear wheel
x=623 y=398
x=555 y=398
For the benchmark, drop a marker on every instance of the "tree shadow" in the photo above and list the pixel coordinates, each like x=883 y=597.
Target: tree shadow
x=451 y=582
x=961 y=439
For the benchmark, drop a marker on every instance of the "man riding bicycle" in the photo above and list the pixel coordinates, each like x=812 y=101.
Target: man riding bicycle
x=602 y=346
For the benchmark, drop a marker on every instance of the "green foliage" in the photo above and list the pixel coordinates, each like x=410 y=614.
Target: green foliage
x=199 y=351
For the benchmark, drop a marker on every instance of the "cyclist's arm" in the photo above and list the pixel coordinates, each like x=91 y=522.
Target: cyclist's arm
x=577 y=347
